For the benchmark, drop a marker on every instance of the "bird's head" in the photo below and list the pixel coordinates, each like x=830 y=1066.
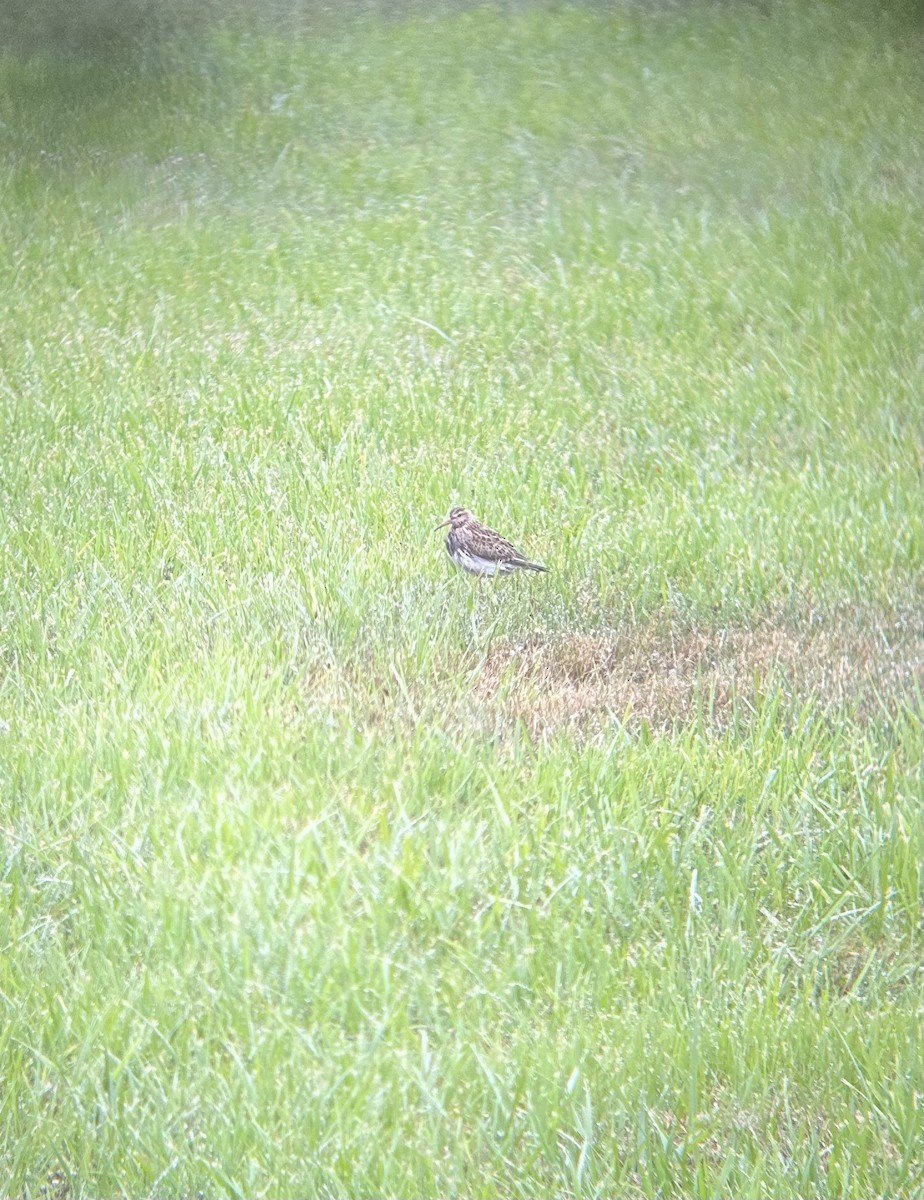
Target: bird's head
x=457 y=517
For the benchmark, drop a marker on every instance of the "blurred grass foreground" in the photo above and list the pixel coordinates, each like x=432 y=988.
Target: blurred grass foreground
x=324 y=872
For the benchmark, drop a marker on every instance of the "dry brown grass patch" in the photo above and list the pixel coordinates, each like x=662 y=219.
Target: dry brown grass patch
x=665 y=676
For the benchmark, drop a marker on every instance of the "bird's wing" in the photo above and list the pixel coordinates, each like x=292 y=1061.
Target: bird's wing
x=490 y=545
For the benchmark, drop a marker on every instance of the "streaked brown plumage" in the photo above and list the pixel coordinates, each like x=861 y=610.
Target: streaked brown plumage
x=479 y=550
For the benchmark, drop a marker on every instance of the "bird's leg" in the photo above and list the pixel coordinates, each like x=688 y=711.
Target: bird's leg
x=473 y=607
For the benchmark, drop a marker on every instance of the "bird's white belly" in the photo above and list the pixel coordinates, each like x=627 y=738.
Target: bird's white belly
x=479 y=566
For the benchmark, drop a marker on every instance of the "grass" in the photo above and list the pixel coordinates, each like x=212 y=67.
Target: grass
x=324 y=872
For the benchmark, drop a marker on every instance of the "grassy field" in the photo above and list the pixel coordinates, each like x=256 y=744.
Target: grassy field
x=327 y=872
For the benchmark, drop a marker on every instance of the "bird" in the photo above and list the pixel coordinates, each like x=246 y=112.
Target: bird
x=479 y=550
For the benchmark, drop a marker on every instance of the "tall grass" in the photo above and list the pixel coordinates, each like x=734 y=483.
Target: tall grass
x=311 y=883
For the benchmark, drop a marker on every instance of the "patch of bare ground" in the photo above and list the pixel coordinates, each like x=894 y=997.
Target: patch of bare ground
x=667 y=677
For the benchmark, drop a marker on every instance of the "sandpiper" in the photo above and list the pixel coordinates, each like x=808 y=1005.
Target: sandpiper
x=479 y=550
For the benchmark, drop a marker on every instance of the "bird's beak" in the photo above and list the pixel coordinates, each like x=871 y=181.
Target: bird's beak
x=442 y=525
